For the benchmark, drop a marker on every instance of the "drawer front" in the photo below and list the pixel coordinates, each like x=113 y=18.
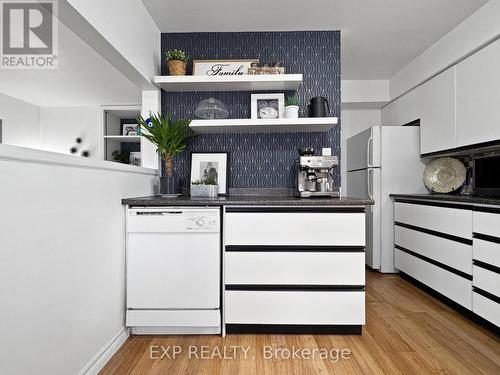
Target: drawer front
x=486 y=280
x=287 y=307
x=295 y=228
x=487 y=223
x=449 y=284
x=486 y=308
x=451 y=221
x=487 y=252
x=454 y=254
x=308 y=267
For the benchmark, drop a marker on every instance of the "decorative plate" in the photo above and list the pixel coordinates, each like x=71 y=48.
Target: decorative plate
x=444 y=175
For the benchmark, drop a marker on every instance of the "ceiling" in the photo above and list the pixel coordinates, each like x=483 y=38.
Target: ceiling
x=83 y=78
x=379 y=37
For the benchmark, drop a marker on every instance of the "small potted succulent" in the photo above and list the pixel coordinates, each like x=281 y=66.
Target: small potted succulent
x=205 y=188
x=171 y=138
x=176 y=61
x=292 y=107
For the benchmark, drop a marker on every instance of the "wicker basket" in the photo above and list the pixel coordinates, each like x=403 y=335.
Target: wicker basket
x=176 y=67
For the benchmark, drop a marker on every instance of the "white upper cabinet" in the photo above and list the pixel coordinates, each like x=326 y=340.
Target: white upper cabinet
x=478 y=97
x=437 y=120
x=403 y=110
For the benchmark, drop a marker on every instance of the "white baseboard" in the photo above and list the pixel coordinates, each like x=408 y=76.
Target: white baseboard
x=97 y=363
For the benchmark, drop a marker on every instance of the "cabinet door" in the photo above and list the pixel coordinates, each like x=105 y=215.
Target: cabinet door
x=478 y=96
x=390 y=114
x=437 y=120
x=403 y=110
x=409 y=107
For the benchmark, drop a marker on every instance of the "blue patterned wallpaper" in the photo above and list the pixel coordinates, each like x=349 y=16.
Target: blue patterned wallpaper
x=260 y=160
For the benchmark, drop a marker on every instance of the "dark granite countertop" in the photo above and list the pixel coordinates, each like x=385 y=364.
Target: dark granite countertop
x=450 y=198
x=245 y=201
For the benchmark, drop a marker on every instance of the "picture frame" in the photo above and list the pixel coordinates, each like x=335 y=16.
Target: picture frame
x=130 y=129
x=226 y=67
x=272 y=106
x=210 y=164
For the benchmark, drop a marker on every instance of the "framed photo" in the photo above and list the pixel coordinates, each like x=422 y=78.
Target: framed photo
x=130 y=129
x=268 y=106
x=211 y=165
x=212 y=68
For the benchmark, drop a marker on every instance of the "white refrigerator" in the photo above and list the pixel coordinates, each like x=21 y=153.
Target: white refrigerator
x=383 y=160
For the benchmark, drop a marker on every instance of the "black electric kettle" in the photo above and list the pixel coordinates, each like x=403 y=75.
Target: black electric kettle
x=318 y=107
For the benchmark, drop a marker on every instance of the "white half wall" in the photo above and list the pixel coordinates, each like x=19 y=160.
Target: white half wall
x=62 y=259
x=60 y=126
x=479 y=29
x=352 y=122
x=20 y=122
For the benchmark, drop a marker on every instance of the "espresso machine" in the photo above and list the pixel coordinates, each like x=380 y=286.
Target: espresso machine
x=315 y=175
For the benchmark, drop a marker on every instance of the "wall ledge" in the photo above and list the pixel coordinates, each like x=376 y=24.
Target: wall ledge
x=33 y=156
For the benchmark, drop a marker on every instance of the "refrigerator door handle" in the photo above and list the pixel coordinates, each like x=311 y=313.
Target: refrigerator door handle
x=369 y=173
x=369 y=146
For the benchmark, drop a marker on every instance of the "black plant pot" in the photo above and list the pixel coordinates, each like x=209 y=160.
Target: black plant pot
x=169 y=185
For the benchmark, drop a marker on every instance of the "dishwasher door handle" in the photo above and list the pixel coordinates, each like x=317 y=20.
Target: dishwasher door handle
x=158 y=213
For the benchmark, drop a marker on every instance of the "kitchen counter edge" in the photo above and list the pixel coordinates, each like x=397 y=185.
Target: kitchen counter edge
x=157 y=201
x=467 y=199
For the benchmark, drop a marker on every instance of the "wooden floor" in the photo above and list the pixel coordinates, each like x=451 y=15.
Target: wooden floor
x=407 y=332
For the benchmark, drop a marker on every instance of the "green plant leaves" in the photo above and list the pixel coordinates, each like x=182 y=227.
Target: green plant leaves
x=171 y=137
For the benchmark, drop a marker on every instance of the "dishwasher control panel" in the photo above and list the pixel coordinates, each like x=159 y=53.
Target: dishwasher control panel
x=173 y=220
x=198 y=220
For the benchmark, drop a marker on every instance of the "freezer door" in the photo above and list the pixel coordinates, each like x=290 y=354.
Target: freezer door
x=363 y=149
x=365 y=183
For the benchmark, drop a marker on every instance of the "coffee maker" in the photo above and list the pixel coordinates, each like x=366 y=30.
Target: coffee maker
x=315 y=175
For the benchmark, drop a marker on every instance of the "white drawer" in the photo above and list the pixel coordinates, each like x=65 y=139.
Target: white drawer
x=295 y=228
x=454 y=254
x=290 y=307
x=447 y=283
x=486 y=308
x=486 y=280
x=487 y=223
x=283 y=267
x=486 y=251
x=453 y=221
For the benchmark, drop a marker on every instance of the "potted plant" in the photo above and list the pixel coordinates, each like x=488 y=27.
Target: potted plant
x=177 y=61
x=292 y=107
x=171 y=138
x=206 y=188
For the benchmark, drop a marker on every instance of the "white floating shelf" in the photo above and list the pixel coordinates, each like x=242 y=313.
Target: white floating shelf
x=124 y=138
x=282 y=125
x=260 y=82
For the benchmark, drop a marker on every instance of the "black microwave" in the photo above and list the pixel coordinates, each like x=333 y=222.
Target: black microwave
x=486 y=176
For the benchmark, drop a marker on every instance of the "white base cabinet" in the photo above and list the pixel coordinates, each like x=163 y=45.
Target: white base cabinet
x=295 y=307
x=294 y=269
x=454 y=249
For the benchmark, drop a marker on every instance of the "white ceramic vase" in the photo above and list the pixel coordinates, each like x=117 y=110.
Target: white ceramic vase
x=292 y=111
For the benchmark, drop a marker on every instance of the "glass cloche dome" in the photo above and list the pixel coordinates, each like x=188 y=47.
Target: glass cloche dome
x=211 y=109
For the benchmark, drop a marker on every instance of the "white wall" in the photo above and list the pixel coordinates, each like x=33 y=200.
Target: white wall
x=60 y=126
x=83 y=78
x=62 y=258
x=20 y=122
x=354 y=121
x=481 y=27
x=127 y=27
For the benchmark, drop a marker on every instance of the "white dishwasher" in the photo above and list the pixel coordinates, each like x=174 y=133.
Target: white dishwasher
x=173 y=270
